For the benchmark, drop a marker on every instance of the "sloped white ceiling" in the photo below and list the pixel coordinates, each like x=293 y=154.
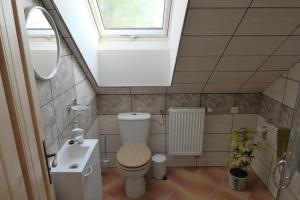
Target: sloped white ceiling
x=231 y=46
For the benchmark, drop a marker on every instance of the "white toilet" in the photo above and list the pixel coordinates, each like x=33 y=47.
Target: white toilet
x=133 y=159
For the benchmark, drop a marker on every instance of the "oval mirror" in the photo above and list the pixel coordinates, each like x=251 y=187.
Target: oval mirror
x=44 y=42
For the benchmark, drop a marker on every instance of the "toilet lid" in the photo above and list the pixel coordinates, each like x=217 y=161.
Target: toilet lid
x=133 y=155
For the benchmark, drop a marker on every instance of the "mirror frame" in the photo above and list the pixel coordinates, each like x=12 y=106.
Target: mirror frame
x=58 y=44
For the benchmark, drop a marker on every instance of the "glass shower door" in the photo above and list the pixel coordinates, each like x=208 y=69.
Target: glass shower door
x=289 y=183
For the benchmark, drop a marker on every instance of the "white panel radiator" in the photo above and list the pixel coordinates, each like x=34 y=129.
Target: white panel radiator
x=186 y=130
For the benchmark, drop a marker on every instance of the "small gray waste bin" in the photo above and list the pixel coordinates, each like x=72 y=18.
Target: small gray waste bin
x=159 y=166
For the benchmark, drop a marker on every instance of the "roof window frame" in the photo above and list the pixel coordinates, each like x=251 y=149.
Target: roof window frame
x=133 y=33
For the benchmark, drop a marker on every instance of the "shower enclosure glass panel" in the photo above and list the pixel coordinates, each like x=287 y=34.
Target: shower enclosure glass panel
x=290 y=178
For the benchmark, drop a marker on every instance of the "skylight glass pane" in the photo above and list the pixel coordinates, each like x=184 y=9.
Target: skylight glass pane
x=132 y=14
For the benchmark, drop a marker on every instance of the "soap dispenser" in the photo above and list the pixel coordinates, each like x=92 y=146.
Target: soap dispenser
x=78 y=134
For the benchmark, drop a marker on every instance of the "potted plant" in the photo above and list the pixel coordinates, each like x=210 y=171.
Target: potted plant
x=242 y=147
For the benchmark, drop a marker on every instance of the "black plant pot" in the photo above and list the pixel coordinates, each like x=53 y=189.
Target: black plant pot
x=237 y=178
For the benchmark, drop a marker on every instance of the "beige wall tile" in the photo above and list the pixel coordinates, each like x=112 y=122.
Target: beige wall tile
x=253 y=87
x=157 y=143
x=287 y=194
x=275 y=3
x=64 y=78
x=222 y=87
x=266 y=21
x=203 y=45
x=276 y=89
x=291 y=92
x=229 y=77
x=84 y=92
x=191 y=77
x=113 y=90
x=294 y=72
x=248 y=103
x=78 y=73
x=294 y=186
x=279 y=63
x=154 y=104
x=245 y=121
x=93 y=132
x=185 y=88
x=158 y=125
x=108 y=124
x=290 y=47
x=190 y=63
x=113 y=104
x=219 y=3
x=271 y=136
x=218 y=103
x=240 y=63
x=44 y=91
x=113 y=143
x=265 y=155
x=212 y=21
x=219 y=123
x=183 y=100
x=253 y=45
x=216 y=142
x=265 y=77
x=148 y=90
x=260 y=170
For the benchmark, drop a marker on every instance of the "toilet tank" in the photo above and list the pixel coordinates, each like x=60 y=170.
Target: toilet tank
x=134 y=127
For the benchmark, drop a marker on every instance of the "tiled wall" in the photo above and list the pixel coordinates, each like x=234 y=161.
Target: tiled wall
x=219 y=123
x=68 y=84
x=278 y=108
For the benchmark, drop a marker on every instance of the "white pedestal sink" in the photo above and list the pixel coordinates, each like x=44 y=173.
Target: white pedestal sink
x=77 y=175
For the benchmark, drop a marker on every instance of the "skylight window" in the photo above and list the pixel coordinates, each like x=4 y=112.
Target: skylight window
x=132 y=18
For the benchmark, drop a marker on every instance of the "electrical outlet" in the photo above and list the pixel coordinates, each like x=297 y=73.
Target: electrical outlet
x=234 y=110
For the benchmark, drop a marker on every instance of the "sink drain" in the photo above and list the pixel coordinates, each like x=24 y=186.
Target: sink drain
x=74 y=166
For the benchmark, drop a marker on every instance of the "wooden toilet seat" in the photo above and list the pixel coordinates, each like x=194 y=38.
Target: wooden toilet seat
x=133 y=156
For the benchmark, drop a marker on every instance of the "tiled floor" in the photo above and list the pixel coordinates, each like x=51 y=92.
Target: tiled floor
x=205 y=183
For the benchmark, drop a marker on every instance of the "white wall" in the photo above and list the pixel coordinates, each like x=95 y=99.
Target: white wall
x=176 y=26
x=134 y=67
x=77 y=16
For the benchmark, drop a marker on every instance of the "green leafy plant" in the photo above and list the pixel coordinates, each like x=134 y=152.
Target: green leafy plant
x=242 y=147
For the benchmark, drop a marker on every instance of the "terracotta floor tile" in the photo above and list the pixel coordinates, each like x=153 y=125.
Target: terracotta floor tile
x=223 y=168
x=178 y=176
x=260 y=192
x=110 y=175
x=191 y=169
x=220 y=194
x=160 y=189
x=204 y=183
x=117 y=191
x=253 y=179
x=106 y=196
x=212 y=174
x=182 y=195
x=240 y=194
x=199 y=187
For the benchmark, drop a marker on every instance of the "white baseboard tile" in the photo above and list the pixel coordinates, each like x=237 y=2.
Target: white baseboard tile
x=213 y=159
x=181 y=161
